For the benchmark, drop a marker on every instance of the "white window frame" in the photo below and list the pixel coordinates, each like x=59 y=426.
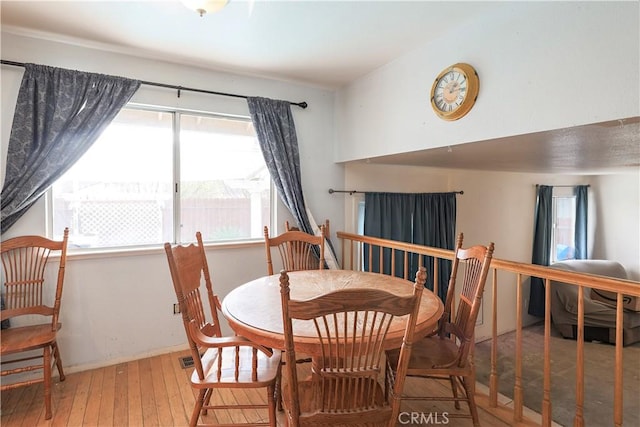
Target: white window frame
x=560 y=193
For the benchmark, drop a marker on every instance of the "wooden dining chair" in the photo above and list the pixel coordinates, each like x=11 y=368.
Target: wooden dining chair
x=27 y=292
x=296 y=249
x=444 y=354
x=230 y=362
x=351 y=325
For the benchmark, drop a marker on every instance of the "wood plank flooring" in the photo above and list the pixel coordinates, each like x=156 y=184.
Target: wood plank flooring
x=156 y=392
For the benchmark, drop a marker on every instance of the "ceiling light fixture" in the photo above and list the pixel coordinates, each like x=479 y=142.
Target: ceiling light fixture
x=204 y=6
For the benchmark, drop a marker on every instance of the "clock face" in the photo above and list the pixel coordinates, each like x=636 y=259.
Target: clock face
x=454 y=91
x=450 y=91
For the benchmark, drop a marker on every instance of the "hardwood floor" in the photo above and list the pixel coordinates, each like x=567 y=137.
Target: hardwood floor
x=156 y=392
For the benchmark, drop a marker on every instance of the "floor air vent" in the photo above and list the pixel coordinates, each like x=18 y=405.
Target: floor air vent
x=186 y=362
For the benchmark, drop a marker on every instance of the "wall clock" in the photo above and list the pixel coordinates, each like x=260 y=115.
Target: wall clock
x=454 y=91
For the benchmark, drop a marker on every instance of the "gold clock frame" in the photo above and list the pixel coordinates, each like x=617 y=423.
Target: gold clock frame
x=473 y=88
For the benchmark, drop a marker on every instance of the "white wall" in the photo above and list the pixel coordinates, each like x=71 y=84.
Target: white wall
x=542 y=66
x=616 y=203
x=119 y=306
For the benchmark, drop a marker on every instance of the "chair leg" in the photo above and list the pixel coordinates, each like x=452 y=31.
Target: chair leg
x=198 y=407
x=58 y=359
x=271 y=400
x=471 y=400
x=454 y=390
x=47 y=381
x=278 y=388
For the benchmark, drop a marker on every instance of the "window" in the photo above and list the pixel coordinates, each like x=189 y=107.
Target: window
x=564 y=225
x=159 y=176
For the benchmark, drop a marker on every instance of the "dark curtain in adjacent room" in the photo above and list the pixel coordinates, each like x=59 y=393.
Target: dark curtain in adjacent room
x=422 y=218
x=389 y=216
x=541 y=246
x=582 y=208
x=435 y=226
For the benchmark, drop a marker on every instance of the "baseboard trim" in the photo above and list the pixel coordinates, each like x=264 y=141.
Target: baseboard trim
x=103 y=364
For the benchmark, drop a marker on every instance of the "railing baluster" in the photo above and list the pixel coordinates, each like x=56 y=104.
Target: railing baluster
x=493 y=376
x=406 y=265
x=393 y=262
x=518 y=401
x=578 y=420
x=546 y=394
x=436 y=282
x=617 y=386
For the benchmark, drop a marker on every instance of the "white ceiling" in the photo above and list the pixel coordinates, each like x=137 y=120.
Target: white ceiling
x=322 y=43
x=327 y=43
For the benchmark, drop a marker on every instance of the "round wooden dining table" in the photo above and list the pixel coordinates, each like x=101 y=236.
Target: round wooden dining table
x=254 y=309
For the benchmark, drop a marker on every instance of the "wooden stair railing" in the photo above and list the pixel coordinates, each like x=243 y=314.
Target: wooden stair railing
x=353 y=253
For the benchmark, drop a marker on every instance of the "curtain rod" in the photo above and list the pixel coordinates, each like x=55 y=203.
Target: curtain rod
x=577 y=185
x=331 y=191
x=178 y=88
